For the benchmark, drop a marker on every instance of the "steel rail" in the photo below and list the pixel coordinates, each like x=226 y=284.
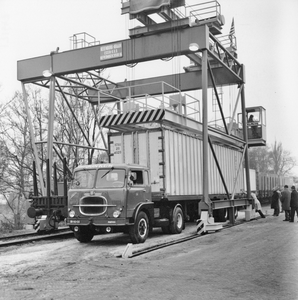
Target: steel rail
x=32 y=237
x=180 y=240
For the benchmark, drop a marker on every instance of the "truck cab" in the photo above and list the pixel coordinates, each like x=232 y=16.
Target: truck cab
x=110 y=197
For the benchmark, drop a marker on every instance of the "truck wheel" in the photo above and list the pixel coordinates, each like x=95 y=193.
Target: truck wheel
x=138 y=233
x=177 y=223
x=84 y=235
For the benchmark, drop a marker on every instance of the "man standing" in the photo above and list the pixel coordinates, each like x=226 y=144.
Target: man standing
x=285 y=202
x=293 y=203
x=275 y=202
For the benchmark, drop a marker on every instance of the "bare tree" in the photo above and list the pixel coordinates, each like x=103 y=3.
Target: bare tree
x=259 y=159
x=281 y=160
x=38 y=108
x=17 y=152
x=75 y=123
x=272 y=160
x=17 y=158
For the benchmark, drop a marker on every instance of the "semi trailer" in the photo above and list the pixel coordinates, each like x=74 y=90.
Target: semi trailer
x=153 y=179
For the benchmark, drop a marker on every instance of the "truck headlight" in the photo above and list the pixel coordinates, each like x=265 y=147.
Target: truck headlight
x=116 y=213
x=71 y=213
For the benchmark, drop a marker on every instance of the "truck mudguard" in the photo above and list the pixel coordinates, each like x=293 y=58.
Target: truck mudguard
x=147 y=207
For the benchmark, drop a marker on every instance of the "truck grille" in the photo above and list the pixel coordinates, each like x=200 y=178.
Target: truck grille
x=93 y=206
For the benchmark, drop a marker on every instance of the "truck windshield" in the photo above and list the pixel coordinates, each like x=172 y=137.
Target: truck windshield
x=84 y=179
x=109 y=178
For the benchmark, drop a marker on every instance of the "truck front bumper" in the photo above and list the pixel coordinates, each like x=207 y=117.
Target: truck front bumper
x=96 y=222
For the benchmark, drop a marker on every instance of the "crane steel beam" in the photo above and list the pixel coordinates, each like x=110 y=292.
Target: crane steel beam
x=157 y=28
x=113 y=54
x=187 y=82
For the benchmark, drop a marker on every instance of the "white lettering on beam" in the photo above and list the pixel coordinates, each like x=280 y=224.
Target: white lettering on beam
x=111 y=51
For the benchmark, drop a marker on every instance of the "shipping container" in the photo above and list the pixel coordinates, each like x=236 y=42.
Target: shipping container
x=175 y=160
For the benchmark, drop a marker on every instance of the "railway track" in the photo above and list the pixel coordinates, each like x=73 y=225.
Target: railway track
x=64 y=233
x=33 y=237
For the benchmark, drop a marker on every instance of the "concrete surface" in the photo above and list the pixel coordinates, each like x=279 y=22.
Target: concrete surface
x=255 y=260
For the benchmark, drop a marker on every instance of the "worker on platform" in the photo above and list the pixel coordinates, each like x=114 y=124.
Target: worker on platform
x=254 y=127
x=257 y=203
x=251 y=119
x=285 y=202
x=293 y=203
x=275 y=201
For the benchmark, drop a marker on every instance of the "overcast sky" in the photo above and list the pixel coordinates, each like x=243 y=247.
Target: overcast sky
x=266 y=37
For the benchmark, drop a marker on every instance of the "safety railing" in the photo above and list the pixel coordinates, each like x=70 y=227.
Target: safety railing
x=232 y=124
x=218 y=51
x=165 y=96
x=203 y=11
x=82 y=40
x=229 y=41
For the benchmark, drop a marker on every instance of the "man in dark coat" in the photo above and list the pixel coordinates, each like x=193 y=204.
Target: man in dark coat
x=293 y=203
x=285 y=202
x=275 y=202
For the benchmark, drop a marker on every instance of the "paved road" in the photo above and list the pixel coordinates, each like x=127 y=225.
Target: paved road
x=255 y=260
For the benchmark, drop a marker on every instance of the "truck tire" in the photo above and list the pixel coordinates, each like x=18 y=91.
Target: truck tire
x=84 y=235
x=138 y=233
x=177 y=222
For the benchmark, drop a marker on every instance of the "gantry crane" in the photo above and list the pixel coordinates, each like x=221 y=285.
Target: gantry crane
x=192 y=31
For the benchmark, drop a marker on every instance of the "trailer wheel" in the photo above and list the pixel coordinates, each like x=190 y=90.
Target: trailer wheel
x=220 y=215
x=138 y=233
x=84 y=235
x=177 y=223
x=235 y=214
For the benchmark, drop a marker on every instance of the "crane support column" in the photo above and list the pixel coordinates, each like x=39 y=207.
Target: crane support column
x=206 y=203
x=51 y=127
x=32 y=136
x=245 y=138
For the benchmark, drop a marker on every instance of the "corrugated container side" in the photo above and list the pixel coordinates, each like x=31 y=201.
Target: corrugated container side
x=229 y=160
x=191 y=161
x=252 y=179
x=176 y=161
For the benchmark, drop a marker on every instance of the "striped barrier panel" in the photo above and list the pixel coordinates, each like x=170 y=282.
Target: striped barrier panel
x=200 y=227
x=40 y=224
x=132 y=117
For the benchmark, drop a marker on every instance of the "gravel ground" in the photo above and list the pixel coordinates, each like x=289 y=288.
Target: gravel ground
x=255 y=260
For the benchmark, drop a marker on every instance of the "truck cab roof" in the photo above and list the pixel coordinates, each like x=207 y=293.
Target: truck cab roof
x=110 y=166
